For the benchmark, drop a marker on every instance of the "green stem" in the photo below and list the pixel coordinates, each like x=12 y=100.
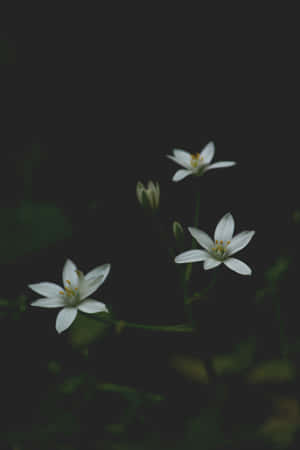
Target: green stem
x=213 y=280
x=181 y=328
x=208 y=362
x=188 y=270
x=197 y=210
x=208 y=359
x=162 y=234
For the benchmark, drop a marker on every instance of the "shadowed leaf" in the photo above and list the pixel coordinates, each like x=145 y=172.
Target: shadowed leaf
x=272 y=372
x=284 y=422
x=86 y=330
x=31 y=227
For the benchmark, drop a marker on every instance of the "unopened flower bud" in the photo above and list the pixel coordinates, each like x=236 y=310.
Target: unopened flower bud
x=177 y=231
x=179 y=236
x=148 y=197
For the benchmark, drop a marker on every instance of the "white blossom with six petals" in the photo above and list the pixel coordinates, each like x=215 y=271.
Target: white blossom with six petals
x=196 y=164
x=221 y=249
x=74 y=295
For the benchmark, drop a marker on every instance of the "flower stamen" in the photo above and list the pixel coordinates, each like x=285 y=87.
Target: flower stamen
x=195 y=158
x=220 y=249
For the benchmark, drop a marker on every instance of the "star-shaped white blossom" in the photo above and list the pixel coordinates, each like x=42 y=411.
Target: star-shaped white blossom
x=198 y=163
x=221 y=249
x=74 y=295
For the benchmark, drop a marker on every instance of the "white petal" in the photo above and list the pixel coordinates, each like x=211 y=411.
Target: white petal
x=180 y=174
x=208 y=153
x=65 y=318
x=87 y=287
x=173 y=158
x=220 y=164
x=210 y=263
x=150 y=185
x=238 y=266
x=183 y=157
x=56 y=302
x=157 y=193
x=139 y=191
x=191 y=256
x=100 y=270
x=92 y=306
x=225 y=228
x=47 y=289
x=70 y=274
x=240 y=241
x=201 y=237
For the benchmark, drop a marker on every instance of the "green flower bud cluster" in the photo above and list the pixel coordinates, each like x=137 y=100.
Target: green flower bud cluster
x=148 y=196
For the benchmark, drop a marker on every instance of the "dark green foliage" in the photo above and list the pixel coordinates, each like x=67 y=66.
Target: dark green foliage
x=218 y=383
x=31 y=227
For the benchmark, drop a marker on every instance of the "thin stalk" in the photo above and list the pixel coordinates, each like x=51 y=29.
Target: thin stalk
x=157 y=225
x=208 y=362
x=213 y=280
x=181 y=328
x=188 y=270
x=197 y=209
x=208 y=359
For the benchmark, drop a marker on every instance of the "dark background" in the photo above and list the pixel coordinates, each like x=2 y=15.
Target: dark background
x=107 y=101
x=92 y=104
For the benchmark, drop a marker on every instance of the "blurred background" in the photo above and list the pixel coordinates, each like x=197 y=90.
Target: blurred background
x=92 y=104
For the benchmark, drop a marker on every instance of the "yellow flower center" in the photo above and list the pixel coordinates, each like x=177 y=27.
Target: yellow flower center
x=219 y=251
x=70 y=292
x=195 y=159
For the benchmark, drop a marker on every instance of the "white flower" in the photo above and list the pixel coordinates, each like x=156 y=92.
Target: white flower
x=73 y=297
x=198 y=163
x=221 y=249
x=148 y=197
